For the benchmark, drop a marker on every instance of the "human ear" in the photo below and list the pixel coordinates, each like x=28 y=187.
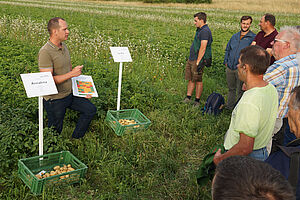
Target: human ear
x=246 y=67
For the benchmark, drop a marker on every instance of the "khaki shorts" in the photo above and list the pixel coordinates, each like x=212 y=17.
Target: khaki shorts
x=191 y=73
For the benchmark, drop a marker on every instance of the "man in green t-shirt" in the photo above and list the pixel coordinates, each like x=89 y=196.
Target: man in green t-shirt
x=54 y=57
x=253 y=118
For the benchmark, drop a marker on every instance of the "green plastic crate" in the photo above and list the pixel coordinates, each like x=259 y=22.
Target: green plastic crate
x=29 y=167
x=113 y=117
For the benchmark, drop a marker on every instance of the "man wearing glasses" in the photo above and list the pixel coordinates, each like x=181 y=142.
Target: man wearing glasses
x=284 y=75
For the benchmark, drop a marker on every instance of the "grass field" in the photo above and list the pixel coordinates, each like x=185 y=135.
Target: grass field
x=157 y=163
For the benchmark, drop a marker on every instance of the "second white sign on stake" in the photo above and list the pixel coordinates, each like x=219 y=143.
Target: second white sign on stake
x=120 y=54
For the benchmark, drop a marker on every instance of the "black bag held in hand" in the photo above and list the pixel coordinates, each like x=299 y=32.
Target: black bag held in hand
x=204 y=62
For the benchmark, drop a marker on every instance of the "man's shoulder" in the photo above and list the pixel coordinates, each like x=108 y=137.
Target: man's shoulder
x=204 y=33
x=274 y=67
x=287 y=62
x=45 y=55
x=251 y=34
x=260 y=33
x=236 y=34
x=257 y=92
x=235 y=37
x=205 y=28
x=275 y=32
x=46 y=48
x=256 y=97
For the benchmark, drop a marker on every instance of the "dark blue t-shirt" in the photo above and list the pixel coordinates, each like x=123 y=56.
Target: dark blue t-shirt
x=202 y=33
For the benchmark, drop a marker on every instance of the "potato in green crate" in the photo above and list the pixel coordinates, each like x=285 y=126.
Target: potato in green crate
x=51 y=170
x=126 y=121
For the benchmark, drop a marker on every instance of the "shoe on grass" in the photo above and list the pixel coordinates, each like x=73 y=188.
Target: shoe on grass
x=187 y=100
x=196 y=104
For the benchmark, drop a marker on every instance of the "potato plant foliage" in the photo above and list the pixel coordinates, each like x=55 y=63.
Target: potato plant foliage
x=157 y=163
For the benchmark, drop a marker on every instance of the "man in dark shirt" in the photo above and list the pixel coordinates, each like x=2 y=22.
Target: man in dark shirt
x=267 y=34
x=200 y=56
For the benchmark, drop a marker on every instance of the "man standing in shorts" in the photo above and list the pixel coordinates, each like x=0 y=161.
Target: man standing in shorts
x=200 y=56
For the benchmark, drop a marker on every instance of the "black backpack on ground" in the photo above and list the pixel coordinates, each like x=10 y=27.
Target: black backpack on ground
x=214 y=104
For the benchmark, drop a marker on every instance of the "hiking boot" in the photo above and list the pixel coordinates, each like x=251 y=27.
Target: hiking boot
x=187 y=100
x=196 y=104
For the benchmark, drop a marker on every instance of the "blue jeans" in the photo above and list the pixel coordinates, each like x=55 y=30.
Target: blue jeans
x=56 y=110
x=259 y=154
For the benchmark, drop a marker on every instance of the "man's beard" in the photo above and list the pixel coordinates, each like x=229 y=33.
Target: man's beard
x=245 y=30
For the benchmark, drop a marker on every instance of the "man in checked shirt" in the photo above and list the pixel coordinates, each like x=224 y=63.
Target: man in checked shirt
x=284 y=75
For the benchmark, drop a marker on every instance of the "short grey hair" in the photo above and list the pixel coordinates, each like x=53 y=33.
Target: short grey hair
x=296 y=99
x=292 y=35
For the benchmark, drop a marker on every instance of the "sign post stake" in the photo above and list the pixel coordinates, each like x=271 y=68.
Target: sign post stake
x=119 y=86
x=41 y=126
x=39 y=85
x=120 y=54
